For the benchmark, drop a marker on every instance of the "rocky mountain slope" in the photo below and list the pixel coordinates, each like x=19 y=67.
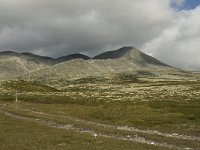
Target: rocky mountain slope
x=127 y=60
x=14 y=64
x=71 y=57
x=132 y=54
x=17 y=64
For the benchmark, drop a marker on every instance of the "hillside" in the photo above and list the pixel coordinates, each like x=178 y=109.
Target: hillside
x=127 y=60
x=14 y=64
x=71 y=57
x=132 y=54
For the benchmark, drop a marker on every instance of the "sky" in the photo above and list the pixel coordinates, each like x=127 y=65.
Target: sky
x=168 y=30
x=185 y=4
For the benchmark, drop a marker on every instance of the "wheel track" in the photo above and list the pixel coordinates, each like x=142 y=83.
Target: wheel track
x=124 y=128
x=92 y=132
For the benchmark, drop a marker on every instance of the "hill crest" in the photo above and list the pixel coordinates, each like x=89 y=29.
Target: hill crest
x=132 y=54
x=123 y=60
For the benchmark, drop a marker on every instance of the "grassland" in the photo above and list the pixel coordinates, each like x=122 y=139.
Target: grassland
x=124 y=112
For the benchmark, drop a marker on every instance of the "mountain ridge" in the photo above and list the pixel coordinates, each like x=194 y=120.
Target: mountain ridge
x=71 y=57
x=130 y=53
x=127 y=52
x=114 y=53
x=124 y=60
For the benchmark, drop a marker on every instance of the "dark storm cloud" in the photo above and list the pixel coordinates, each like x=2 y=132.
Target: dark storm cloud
x=61 y=27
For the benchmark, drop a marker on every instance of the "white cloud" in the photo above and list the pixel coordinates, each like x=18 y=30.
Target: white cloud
x=61 y=27
x=178 y=44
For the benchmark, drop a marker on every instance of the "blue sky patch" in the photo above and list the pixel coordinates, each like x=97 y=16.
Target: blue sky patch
x=187 y=4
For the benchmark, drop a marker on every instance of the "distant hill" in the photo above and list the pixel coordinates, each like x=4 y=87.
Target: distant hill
x=114 y=54
x=130 y=53
x=124 y=60
x=37 y=56
x=72 y=57
x=26 y=55
x=14 y=64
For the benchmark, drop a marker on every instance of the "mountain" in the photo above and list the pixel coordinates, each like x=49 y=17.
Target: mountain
x=124 y=60
x=71 y=57
x=37 y=56
x=24 y=55
x=14 y=64
x=114 y=54
x=130 y=53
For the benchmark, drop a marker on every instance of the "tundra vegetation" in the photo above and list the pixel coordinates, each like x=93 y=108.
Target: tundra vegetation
x=121 y=111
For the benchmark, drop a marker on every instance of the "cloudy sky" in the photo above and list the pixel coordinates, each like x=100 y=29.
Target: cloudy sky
x=166 y=29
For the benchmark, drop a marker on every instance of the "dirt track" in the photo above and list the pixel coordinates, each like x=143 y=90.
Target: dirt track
x=4 y=109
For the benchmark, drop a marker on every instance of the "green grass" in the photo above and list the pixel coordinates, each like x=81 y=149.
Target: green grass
x=19 y=134
x=7 y=97
x=165 y=106
x=27 y=86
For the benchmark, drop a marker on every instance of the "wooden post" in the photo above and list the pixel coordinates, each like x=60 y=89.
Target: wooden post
x=16 y=96
x=29 y=76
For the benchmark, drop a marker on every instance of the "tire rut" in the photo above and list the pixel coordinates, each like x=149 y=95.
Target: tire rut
x=124 y=128
x=53 y=124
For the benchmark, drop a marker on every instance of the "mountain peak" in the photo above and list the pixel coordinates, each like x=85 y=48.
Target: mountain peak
x=8 y=53
x=126 y=48
x=124 y=60
x=131 y=54
x=36 y=56
x=114 y=54
x=72 y=56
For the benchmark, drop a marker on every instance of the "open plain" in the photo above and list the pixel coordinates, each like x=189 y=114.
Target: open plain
x=122 y=112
